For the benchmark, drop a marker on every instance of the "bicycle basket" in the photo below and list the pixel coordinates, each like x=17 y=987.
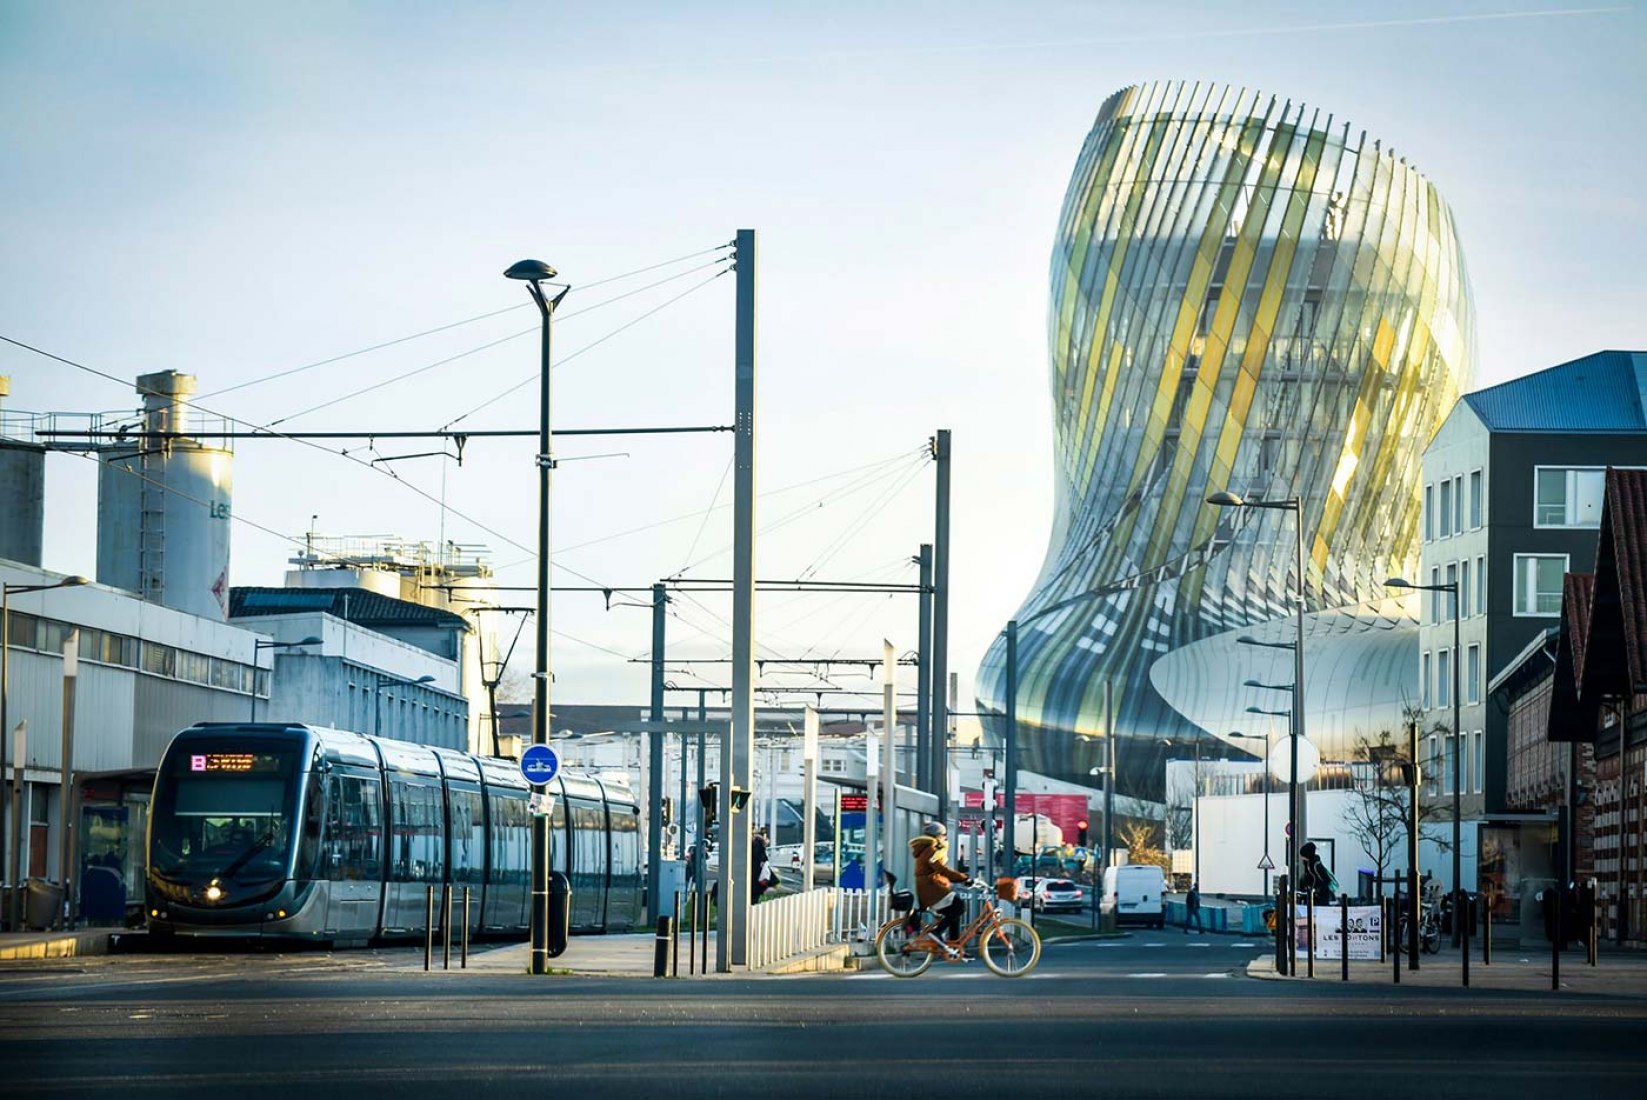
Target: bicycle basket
x=901 y=901
x=1006 y=889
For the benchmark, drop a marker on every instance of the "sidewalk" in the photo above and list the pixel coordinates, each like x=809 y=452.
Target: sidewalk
x=55 y=945
x=1619 y=973
x=625 y=956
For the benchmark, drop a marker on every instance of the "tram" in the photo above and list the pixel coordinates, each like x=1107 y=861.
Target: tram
x=301 y=832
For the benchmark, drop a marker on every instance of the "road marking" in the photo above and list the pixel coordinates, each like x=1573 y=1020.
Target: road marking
x=1220 y=974
x=1198 y=945
x=1155 y=945
x=1243 y=945
x=1151 y=974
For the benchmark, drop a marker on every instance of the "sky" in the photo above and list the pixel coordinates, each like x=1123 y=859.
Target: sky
x=235 y=190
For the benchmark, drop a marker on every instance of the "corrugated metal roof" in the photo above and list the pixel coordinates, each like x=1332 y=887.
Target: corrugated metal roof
x=1604 y=392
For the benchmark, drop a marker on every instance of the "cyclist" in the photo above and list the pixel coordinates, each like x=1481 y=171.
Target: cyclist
x=934 y=883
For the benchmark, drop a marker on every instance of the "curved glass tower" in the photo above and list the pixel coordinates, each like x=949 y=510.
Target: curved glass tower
x=1249 y=295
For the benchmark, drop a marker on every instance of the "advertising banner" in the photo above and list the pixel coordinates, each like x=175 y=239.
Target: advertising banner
x=1366 y=932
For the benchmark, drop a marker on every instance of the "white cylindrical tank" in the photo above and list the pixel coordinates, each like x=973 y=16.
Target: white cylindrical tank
x=163 y=508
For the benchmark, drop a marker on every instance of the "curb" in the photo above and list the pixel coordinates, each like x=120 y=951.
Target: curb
x=67 y=945
x=831 y=959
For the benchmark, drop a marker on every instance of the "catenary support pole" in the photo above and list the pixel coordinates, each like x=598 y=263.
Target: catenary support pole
x=1344 y=936
x=1414 y=894
x=68 y=831
x=1009 y=796
x=926 y=688
x=654 y=760
x=732 y=944
x=889 y=761
x=1109 y=778
x=940 y=625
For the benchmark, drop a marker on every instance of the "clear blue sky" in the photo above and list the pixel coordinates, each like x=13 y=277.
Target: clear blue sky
x=230 y=190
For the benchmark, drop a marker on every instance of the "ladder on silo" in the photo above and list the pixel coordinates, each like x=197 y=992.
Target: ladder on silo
x=151 y=523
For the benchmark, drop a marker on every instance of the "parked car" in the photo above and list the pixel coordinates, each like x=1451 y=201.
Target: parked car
x=1051 y=895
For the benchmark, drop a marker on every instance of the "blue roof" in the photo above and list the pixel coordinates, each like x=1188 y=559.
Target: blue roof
x=1604 y=392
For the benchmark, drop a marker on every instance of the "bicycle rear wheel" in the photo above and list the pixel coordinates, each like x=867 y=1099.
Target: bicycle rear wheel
x=1011 y=948
x=901 y=949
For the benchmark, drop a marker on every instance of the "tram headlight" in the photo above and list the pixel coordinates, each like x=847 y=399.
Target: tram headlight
x=214 y=892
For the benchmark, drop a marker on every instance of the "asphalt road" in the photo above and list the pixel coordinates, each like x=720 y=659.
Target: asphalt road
x=1153 y=1015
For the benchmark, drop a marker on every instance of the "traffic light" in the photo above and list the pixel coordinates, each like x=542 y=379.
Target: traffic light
x=710 y=797
x=740 y=799
x=1081 y=832
x=668 y=811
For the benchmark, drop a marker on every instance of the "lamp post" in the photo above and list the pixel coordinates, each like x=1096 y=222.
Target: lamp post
x=535 y=273
x=6 y=593
x=1450 y=587
x=1295 y=808
x=377 y=697
x=258 y=646
x=1195 y=813
x=1264 y=867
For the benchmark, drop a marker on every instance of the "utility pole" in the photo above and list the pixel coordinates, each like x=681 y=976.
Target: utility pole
x=926 y=687
x=1109 y=776
x=654 y=762
x=68 y=832
x=938 y=685
x=1009 y=809
x=732 y=948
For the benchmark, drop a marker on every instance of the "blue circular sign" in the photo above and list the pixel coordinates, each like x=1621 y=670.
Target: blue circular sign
x=539 y=764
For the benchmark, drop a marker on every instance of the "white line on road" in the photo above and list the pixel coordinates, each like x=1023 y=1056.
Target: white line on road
x=1147 y=975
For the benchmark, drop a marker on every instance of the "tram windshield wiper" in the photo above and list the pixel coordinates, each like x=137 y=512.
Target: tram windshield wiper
x=245 y=857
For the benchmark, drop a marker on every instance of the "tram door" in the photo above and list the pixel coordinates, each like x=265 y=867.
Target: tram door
x=352 y=860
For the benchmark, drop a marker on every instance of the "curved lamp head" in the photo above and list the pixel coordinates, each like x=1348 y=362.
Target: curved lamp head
x=1226 y=500
x=1398 y=582
x=310 y=640
x=425 y=679
x=530 y=271
x=1247 y=639
x=72 y=582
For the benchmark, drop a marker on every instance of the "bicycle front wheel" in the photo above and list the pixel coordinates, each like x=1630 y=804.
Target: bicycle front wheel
x=901 y=950
x=1011 y=948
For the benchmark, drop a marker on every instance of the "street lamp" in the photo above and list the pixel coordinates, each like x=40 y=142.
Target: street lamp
x=377 y=696
x=1295 y=811
x=6 y=592
x=1267 y=863
x=258 y=646
x=535 y=273
x=1450 y=587
x=1195 y=813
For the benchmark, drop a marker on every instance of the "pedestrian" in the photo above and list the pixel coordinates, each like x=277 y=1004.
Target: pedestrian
x=761 y=867
x=1192 y=908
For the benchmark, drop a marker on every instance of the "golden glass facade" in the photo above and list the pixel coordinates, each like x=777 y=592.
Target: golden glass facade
x=1245 y=294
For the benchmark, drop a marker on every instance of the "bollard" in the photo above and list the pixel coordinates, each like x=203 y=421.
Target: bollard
x=1592 y=937
x=1555 y=941
x=428 y=926
x=703 y=936
x=465 y=962
x=660 y=949
x=675 y=940
x=1395 y=921
x=560 y=913
x=1463 y=911
x=1292 y=930
x=1486 y=930
x=446 y=926
x=1309 y=931
x=1281 y=926
x=1344 y=935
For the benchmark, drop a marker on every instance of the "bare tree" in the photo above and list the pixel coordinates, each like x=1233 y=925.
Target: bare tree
x=1141 y=839
x=1378 y=812
x=1180 y=824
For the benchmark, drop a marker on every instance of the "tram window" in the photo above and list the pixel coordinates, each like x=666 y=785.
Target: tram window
x=590 y=838
x=418 y=828
x=354 y=824
x=468 y=835
x=511 y=840
x=314 y=808
x=625 y=841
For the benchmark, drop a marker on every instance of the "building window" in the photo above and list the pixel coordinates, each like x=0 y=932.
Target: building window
x=1481 y=585
x=1480 y=758
x=1567 y=497
x=1475 y=499
x=1429 y=513
x=1435 y=595
x=1472 y=675
x=1433 y=772
x=1443 y=678
x=1464 y=594
x=1538 y=583
x=1452 y=579
x=1444 y=523
x=1458 y=504
x=1424 y=682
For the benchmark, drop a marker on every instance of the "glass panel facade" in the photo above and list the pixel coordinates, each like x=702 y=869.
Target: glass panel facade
x=1245 y=295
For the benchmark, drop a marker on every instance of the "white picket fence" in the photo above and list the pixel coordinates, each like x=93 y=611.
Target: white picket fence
x=783 y=927
x=856 y=917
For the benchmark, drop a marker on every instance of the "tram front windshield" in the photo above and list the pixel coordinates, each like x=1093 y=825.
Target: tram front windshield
x=225 y=813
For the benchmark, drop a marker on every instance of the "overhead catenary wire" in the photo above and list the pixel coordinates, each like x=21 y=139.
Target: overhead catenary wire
x=425 y=368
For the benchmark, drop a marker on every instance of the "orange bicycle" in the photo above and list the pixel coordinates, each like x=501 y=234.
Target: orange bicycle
x=1008 y=946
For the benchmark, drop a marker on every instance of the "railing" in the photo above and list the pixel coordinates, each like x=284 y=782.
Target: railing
x=856 y=917
x=790 y=925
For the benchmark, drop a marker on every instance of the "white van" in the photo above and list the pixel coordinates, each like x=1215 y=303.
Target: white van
x=1136 y=891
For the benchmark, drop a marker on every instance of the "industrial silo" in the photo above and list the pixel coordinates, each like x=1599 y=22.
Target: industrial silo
x=163 y=506
x=22 y=486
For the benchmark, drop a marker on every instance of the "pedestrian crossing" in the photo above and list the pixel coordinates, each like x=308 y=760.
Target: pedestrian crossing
x=1041 y=974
